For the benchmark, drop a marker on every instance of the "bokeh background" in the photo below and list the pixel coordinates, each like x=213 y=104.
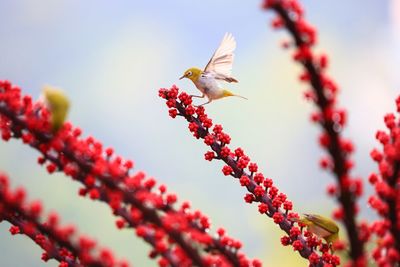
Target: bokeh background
x=111 y=57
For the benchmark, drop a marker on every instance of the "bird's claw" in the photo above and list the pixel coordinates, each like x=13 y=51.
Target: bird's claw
x=197 y=96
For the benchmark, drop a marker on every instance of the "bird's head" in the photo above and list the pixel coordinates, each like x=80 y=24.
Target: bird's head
x=192 y=73
x=55 y=98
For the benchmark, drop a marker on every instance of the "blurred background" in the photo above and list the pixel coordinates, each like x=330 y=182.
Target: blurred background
x=111 y=59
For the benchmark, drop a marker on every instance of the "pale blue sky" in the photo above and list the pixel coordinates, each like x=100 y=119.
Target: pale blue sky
x=111 y=59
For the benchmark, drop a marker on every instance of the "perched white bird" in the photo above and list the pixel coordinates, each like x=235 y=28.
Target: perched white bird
x=218 y=69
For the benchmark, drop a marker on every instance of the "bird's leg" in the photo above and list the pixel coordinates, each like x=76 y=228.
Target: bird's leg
x=331 y=248
x=198 y=96
x=209 y=101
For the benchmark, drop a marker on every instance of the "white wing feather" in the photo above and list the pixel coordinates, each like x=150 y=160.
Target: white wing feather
x=221 y=62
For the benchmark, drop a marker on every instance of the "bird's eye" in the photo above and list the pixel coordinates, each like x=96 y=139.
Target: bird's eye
x=189 y=73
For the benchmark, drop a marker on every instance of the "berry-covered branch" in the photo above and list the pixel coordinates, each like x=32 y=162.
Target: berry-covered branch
x=180 y=236
x=23 y=119
x=386 y=201
x=271 y=202
x=58 y=242
x=331 y=118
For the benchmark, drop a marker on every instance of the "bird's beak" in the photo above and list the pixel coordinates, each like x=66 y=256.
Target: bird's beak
x=183 y=76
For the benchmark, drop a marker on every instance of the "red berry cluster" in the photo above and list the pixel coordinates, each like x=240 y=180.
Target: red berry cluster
x=238 y=165
x=386 y=201
x=179 y=236
x=329 y=116
x=60 y=243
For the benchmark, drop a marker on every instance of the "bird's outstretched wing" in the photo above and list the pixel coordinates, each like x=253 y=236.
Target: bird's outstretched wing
x=221 y=62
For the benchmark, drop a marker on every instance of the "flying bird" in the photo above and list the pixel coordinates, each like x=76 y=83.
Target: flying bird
x=217 y=69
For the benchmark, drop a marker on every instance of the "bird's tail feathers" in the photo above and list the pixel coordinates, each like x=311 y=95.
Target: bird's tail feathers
x=229 y=93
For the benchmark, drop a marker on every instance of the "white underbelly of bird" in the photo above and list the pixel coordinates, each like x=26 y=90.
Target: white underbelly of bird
x=210 y=87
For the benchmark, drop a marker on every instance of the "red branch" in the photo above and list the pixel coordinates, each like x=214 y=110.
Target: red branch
x=180 y=236
x=59 y=243
x=330 y=118
x=272 y=203
x=386 y=201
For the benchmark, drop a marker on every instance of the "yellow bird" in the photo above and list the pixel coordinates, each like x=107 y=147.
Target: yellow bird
x=218 y=69
x=321 y=226
x=58 y=104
